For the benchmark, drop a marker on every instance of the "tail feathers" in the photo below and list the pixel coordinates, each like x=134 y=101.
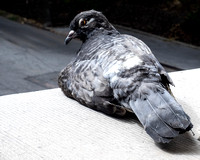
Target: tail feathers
x=160 y=114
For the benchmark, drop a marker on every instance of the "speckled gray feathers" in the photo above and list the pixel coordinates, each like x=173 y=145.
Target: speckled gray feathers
x=116 y=73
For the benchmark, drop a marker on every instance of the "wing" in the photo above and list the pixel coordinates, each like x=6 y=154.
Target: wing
x=148 y=56
x=83 y=81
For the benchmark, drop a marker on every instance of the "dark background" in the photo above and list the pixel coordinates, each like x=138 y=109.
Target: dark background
x=174 y=19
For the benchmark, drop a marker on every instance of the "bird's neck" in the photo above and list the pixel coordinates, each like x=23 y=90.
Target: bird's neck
x=102 y=31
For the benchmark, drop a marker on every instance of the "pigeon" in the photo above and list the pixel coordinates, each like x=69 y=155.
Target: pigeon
x=117 y=73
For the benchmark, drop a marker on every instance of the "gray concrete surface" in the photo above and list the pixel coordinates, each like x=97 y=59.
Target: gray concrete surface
x=46 y=125
x=31 y=58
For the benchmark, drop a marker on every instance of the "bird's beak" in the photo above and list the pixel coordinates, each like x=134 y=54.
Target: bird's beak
x=72 y=34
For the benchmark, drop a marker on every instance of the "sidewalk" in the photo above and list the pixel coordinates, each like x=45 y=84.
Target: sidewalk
x=46 y=125
x=31 y=58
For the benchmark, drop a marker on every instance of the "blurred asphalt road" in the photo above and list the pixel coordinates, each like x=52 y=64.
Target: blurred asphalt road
x=31 y=58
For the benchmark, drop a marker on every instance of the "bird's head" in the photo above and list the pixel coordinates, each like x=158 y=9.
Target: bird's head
x=86 y=22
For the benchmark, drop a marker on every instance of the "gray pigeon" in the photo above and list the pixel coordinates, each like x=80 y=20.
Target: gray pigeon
x=117 y=73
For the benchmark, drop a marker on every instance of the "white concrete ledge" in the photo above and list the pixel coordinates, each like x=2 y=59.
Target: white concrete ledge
x=46 y=125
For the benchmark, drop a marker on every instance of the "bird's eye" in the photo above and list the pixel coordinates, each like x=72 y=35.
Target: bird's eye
x=82 y=22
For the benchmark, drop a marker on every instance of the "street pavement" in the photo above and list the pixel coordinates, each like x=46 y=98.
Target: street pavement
x=31 y=58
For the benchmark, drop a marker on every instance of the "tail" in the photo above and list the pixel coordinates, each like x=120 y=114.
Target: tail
x=160 y=114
